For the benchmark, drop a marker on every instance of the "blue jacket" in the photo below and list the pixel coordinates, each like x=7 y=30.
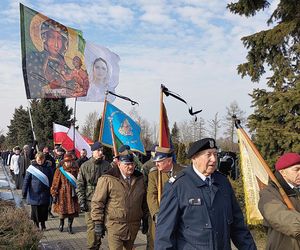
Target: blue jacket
x=37 y=193
x=192 y=217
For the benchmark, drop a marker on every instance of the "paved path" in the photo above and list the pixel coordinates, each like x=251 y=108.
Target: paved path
x=52 y=238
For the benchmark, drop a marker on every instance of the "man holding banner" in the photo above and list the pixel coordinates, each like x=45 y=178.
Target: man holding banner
x=283 y=223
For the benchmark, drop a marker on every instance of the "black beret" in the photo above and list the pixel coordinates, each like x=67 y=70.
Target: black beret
x=201 y=145
x=162 y=153
x=97 y=145
x=126 y=156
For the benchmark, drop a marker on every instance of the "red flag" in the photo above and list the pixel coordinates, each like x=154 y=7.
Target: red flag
x=59 y=133
x=164 y=129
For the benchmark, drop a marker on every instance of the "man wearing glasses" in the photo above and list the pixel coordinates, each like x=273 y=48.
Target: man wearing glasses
x=119 y=203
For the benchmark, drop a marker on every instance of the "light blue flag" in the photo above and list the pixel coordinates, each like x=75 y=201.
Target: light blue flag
x=126 y=131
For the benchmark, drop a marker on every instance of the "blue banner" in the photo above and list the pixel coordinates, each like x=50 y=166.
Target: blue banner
x=126 y=131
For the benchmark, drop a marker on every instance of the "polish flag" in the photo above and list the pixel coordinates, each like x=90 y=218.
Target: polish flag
x=80 y=142
x=59 y=133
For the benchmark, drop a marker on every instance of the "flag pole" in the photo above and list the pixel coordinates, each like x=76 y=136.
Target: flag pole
x=75 y=105
x=159 y=177
x=31 y=123
x=265 y=165
x=102 y=118
x=113 y=138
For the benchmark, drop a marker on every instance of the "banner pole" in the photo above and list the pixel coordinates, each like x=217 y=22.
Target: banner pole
x=265 y=165
x=159 y=176
x=31 y=123
x=74 y=121
x=102 y=120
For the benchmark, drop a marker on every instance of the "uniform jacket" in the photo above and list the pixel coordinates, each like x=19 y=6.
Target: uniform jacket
x=118 y=205
x=67 y=201
x=89 y=173
x=192 y=217
x=152 y=191
x=37 y=193
x=283 y=224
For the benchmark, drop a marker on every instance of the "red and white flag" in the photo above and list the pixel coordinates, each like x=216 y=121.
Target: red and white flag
x=59 y=133
x=80 y=142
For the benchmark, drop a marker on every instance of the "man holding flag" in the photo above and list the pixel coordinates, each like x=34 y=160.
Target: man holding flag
x=283 y=223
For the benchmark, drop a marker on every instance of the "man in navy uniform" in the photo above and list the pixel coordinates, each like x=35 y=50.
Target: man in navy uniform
x=199 y=209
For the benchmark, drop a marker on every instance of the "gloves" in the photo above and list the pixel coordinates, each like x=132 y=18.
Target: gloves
x=54 y=199
x=145 y=226
x=84 y=207
x=99 y=230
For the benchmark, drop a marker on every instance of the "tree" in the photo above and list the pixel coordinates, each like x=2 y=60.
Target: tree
x=19 y=130
x=232 y=110
x=175 y=134
x=215 y=125
x=44 y=113
x=276 y=120
x=90 y=124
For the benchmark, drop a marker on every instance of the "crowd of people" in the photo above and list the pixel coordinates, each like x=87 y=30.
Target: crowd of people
x=178 y=207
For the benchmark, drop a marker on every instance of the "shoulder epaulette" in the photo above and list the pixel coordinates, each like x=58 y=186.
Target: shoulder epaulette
x=174 y=178
x=152 y=169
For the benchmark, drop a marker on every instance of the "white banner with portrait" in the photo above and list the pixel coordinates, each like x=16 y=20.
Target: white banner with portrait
x=103 y=70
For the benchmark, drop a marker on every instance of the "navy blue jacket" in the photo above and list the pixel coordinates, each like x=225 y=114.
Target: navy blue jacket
x=192 y=217
x=37 y=193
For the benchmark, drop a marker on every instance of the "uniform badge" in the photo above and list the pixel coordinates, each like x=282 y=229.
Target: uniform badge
x=172 y=179
x=211 y=143
x=195 y=202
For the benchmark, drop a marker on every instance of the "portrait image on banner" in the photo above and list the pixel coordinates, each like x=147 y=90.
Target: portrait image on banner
x=103 y=70
x=52 y=57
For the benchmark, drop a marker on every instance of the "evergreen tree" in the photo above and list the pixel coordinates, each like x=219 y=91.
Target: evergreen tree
x=19 y=130
x=175 y=134
x=46 y=111
x=276 y=120
x=181 y=155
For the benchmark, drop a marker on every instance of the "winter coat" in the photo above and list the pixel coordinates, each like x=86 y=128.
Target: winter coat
x=64 y=191
x=37 y=193
x=119 y=205
x=89 y=173
x=282 y=223
x=193 y=215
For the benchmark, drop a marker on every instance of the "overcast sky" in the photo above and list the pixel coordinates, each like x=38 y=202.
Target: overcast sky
x=191 y=46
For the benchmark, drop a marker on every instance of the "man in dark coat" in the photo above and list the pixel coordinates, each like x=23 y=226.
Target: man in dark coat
x=83 y=158
x=198 y=209
x=24 y=162
x=283 y=223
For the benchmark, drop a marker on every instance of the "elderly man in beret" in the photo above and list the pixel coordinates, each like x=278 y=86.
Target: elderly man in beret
x=163 y=160
x=119 y=203
x=199 y=209
x=283 y=224
x=88 y=175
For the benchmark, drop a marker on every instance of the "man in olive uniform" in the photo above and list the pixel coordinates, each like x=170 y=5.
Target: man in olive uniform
x=88 y=175
x=163 y=159
x=119 y=203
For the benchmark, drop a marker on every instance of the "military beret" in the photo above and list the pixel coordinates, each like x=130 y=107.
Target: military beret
x=97 y=145
x=200 y=145
x=287 y=160
x=126 y=156
x=162 y=153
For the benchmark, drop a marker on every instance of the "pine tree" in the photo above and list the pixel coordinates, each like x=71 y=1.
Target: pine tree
x=19 y=130
x=44 y=113
x=276 y=120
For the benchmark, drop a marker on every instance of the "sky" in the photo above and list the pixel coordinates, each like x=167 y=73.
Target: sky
x=193 y=47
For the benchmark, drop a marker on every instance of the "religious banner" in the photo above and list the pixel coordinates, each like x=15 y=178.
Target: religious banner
x=103 y=71
x=126 y=131
x=52 y=57
x=255 y=177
